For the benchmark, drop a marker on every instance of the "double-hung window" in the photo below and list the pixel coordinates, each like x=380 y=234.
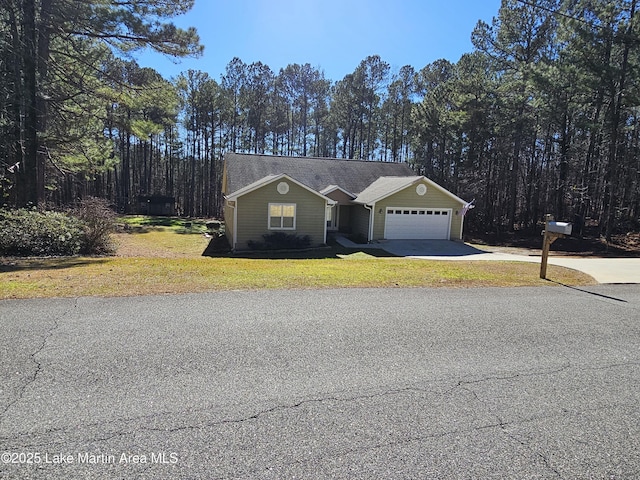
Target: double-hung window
x=282 y=216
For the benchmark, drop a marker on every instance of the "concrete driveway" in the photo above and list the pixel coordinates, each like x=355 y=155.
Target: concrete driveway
x=604 y=270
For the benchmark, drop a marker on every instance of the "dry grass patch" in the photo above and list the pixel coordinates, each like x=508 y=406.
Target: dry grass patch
x=162 y=260
x=119 y=276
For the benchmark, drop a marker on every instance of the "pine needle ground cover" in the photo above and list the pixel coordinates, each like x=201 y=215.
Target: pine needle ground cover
x=167 y=259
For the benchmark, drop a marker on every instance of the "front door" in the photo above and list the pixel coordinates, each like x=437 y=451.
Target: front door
x=333 y=217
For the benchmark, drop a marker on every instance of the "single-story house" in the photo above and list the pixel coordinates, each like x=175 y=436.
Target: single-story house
x=312 y=196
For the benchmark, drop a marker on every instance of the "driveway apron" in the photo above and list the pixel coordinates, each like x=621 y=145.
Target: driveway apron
x=603 y=270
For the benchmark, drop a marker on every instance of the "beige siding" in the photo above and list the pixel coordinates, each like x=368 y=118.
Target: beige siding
x=408 y=197
x=252 y=213
x=228 y=222
x=359 y=217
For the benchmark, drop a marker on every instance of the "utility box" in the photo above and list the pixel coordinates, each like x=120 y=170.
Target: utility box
x=559 y=227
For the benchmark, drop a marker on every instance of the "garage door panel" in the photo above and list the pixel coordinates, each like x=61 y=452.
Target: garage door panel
x=417 y=223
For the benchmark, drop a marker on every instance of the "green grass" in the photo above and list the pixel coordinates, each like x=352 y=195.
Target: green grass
x=140 y=276
x=159 y=259
x=144 y=224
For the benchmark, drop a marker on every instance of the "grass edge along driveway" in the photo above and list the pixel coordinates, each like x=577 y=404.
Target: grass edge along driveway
x=130 y=276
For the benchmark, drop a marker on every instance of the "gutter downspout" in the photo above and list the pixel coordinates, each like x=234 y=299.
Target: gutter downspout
x=329 y=203
x=235 y=220
x=326 y=206
x=371 y=209
x=235 y=224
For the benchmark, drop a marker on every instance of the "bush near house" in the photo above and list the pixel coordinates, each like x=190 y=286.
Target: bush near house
x=31 y=232
x=280 y=241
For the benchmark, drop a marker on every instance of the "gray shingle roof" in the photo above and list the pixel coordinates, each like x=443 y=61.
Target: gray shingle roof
x=317 y=173
x=384 y=186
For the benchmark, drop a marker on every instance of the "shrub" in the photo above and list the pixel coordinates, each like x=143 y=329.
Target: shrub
x=280 y=241
x=99 y=223
x=25 y=232
x=213 y=226
x=30 y=232
x=218 y=245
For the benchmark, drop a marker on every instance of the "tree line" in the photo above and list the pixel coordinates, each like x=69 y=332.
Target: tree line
x=541 y=117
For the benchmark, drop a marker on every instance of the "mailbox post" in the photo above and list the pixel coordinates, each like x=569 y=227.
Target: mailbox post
x=552 y=231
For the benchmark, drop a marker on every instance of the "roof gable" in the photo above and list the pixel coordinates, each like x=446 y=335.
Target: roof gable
x=387 y=186
x=270 y=179
x=352 y=176
x=383 y=187
x=333 y=188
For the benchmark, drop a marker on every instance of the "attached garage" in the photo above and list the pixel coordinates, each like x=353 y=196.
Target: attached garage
x=410 y=223
x=411 y=208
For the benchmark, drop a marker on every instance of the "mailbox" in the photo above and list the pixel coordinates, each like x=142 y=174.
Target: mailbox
x=552 y=231
x=559 y=227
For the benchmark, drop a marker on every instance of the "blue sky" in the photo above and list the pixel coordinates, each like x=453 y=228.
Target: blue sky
x=332 y=35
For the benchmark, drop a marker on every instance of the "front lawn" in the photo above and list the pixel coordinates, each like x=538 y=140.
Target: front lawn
x=160 y=259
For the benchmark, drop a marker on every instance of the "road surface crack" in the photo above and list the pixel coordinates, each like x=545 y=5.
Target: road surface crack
x=545 y=460
x=34 y=359
x=257 y=415
x=466 y=385
x=512 y=376
x=613 y=365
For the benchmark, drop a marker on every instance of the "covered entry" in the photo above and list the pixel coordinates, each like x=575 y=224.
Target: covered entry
x=410 y=223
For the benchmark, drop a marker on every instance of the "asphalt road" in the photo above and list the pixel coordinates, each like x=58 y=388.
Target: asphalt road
x=348 y=384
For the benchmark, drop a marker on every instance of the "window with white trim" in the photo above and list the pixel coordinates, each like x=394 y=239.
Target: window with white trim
x=282 y=216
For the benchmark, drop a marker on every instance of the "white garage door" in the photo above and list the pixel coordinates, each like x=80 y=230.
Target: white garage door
x=417 y=223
